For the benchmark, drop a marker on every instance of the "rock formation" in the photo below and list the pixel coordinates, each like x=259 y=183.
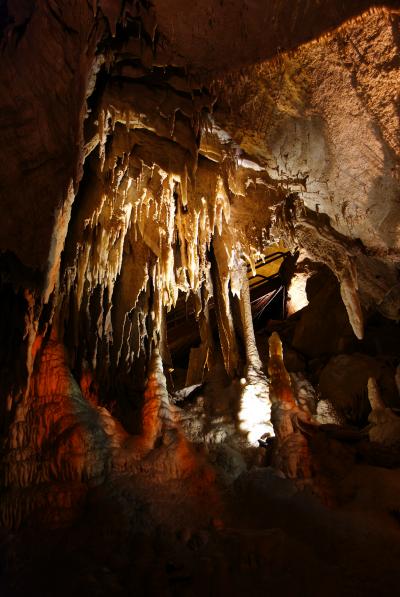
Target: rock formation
x=199 y=286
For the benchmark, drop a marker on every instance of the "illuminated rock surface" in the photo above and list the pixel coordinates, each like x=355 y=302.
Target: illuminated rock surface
x=199 y=297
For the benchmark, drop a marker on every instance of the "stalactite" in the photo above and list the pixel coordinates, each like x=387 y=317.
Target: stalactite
x=202 y=357
x=301 y=228
x=224 y=321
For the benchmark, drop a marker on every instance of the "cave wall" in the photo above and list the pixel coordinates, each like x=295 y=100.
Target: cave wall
x=136 y=166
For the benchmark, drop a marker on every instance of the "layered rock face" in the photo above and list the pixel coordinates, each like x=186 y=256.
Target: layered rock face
x=160 y=159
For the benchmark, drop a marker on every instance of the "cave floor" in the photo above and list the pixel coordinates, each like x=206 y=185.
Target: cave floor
x=137 y=536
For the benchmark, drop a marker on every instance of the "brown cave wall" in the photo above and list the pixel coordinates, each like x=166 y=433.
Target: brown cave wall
x=133 y=180
x=322 y=121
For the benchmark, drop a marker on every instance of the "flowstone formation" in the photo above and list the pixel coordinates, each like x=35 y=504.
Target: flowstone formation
x=199 y=294
x=153 y=217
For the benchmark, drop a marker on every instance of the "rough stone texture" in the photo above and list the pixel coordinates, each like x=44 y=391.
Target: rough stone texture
x=56 y=445
x=48 y=65
x=323 y=327
x=322 y=122
x=216 y=35
x=344 y=383
x=154 y=153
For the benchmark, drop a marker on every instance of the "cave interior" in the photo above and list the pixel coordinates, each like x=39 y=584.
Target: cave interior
x=199 y=297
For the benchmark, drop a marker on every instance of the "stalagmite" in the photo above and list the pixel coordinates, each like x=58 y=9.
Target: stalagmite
x=55 y=436
x=255 y=406
x=385 y=427
x=161 y=429
x=291 y=453
x=397 y=378
x=374 y=396
x=155 y=410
